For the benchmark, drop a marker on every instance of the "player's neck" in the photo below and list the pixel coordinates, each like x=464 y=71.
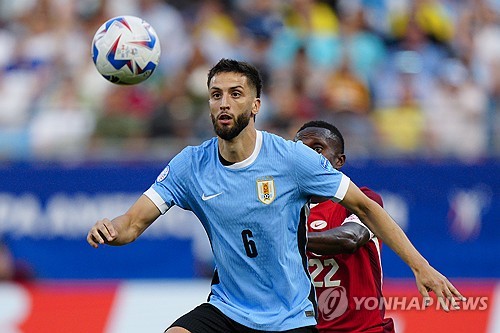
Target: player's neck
x=239 y=148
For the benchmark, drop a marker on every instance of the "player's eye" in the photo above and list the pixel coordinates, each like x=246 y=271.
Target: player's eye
x=318 y=149
x=216 y=95
x=236 y=94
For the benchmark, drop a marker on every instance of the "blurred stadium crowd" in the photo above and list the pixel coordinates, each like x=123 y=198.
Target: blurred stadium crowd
x=400 y=78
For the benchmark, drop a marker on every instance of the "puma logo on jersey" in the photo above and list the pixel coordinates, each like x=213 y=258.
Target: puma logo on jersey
x=318 y=224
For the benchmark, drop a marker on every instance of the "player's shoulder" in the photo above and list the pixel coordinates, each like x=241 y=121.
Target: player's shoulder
x=372 y=195
x=286 y=145
x=279 y=147
x=268 y=137
x=368 y=191
x=191 y=158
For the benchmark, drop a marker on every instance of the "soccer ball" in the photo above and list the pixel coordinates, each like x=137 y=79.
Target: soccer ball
x=126 y=50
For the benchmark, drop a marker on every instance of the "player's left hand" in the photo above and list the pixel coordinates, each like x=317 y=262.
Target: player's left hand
x=429 y=279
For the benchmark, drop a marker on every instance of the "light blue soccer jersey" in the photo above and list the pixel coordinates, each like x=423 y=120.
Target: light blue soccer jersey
x=251 y=212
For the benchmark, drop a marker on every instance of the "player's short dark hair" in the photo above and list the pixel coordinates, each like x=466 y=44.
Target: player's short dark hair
x=335 y=133
x=234 y=66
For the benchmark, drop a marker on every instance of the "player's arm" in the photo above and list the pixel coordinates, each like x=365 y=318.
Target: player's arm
x=386 y=229
x=346 y=238
x=124 y=228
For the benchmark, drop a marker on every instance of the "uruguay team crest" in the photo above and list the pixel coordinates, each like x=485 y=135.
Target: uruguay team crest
x=266 y=190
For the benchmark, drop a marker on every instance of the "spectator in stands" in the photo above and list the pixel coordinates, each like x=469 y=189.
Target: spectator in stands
x=400 y=126
x=456 y=108
x=303 y=39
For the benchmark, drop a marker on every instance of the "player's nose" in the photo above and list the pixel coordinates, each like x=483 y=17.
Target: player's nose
x=224 y=102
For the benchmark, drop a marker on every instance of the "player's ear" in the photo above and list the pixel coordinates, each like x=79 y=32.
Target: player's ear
x=340 y=161
x=256 y=106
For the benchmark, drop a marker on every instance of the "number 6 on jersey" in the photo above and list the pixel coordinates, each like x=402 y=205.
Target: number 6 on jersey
x=250 y=247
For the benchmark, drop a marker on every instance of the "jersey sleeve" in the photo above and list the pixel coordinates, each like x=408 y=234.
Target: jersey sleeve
x=316 y=176
x=170 y=186
x=354 y=219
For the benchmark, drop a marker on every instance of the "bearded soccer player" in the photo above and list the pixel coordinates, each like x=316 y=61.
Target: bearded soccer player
x=247 y=187
x=344 y=255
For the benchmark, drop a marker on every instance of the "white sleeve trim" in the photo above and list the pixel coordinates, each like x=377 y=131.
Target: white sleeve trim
x=355 y=219
x=342 y=190
x=157 y=200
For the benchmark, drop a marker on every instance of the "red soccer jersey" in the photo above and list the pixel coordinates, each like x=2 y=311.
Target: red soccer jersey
x=348 y=286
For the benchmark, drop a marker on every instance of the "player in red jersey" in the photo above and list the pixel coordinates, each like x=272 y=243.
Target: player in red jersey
x=344 y=255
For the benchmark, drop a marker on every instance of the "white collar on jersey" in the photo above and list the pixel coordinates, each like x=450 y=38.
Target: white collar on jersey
x=251 y=158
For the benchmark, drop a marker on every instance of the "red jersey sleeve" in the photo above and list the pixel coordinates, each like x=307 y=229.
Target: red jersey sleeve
x=372 y=195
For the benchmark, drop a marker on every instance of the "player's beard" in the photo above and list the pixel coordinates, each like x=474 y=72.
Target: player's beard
x=229 y=133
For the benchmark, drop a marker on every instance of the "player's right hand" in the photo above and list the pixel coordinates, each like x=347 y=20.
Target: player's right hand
x=101 y=233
